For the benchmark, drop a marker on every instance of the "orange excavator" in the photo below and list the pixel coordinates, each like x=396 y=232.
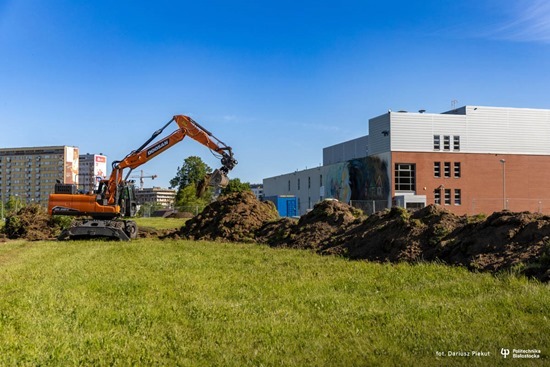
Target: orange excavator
x=115 y=198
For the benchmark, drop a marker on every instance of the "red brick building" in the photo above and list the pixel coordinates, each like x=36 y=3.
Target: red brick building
x=470 y=160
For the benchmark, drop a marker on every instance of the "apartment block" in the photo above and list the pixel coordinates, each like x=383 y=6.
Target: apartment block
x=30 y=173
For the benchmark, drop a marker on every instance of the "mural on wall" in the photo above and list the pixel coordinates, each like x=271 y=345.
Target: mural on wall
x=358 y=179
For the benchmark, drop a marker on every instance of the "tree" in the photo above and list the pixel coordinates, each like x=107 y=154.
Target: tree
x=193 y=171
x=187 y=200
x=235 y=185
x=13 y=204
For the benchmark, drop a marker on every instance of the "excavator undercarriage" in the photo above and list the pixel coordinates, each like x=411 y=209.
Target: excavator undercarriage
x=123 y=230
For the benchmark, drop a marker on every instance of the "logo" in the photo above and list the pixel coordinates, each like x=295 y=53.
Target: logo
x=504 y=352
x=64 y=210
x=157 y=147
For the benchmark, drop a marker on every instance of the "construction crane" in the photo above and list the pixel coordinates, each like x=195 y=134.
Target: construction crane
x=141 y=177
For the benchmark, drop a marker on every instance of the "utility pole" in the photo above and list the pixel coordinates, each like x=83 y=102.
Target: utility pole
x=504 y=206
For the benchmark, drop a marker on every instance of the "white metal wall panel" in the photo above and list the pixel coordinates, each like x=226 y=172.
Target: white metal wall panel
x=351 y=149
x=379 y=134
x=308 y=194
x=481 y=130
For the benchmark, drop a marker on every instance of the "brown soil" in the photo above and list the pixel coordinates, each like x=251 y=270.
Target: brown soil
x=32 y=223
x=150 y=232
x=326 y=219
x=235 y=217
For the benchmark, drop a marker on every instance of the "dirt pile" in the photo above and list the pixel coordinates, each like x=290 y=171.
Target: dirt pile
x=326 y=219
x=503 y=241
x=396 y=235
x=32 y=223
x=235 y=218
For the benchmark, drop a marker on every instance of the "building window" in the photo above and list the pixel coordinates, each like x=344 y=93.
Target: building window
x=320 y=180
x=458 y=197
x=456 y=143
x=457 y=169
x=405 y=178
x=288 y=185
x=437 y=197
x=437 y=169
x=437 y=142
x=298 y=184
x=447 y=169
x=446 y=142
x=447 y=196
x=309 y=182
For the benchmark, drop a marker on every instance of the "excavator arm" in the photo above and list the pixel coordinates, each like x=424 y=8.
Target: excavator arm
x=147 y=151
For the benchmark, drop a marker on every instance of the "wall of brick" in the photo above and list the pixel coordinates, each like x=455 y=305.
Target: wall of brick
x=527 y=181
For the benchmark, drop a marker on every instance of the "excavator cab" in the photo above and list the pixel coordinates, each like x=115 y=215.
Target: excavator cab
x=127 y=201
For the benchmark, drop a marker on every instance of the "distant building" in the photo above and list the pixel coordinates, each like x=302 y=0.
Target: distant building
x=258 y=190
x=92 y=169
x=469 y=160
x=30 y=173
x=164 y=197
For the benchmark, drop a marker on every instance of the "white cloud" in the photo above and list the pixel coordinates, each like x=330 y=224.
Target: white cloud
x=531 y=24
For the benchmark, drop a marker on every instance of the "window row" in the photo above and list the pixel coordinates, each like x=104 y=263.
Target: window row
x=447 y=196
x=447 y=142
x=457 y=171
x=308 y=183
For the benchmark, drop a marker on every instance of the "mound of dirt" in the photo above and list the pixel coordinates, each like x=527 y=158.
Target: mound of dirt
x=503 y=241
x=396 y=235
x=32 y=223
x=327 y=218
x=235 y=218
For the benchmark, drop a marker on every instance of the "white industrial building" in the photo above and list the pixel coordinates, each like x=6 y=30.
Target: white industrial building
x=472 y=159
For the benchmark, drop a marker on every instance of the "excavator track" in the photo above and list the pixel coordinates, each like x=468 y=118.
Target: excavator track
x=121 y=230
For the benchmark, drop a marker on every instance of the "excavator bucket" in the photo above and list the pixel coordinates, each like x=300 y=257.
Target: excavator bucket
x=216 y=179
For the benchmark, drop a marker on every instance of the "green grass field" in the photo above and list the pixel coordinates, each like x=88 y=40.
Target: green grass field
x=151 y=302
x=160 y=223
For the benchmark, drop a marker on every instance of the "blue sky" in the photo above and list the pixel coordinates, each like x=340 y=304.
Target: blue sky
x=276 y=80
